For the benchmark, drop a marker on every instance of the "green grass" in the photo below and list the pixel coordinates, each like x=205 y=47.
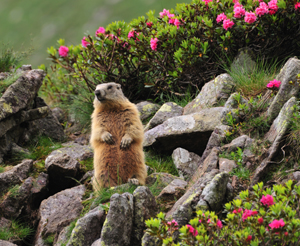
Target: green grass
x=87 y=165
x=49 y=239
x=2 y=169
x=183 y=99
x=161 y=163
x=17 y=231
x=66 y=19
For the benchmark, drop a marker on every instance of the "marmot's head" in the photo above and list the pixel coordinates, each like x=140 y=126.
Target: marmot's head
x=108 y=93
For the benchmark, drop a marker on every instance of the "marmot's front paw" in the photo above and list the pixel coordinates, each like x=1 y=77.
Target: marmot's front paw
x=133 y=181
x=107 y=138
x=125 y=142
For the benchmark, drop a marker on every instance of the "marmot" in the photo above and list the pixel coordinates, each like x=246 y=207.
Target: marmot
x=117 y=138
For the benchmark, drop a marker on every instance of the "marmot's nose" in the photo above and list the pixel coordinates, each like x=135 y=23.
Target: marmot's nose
x=97 y=93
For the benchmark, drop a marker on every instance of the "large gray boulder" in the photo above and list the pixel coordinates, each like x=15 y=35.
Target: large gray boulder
x=275 y=135
x=88 y=228
x=6 y=243
x=118 y=224
x=166 y=111
x=147 y=109
x=145 y=207
x=57 y=212
x=15 y=175
x=289 y=86
x=190 y=132
x=211 y=93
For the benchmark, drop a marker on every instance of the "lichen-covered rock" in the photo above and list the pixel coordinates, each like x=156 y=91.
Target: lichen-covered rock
x=185 y=162
x=226 y=165
x=190 y=132
x=76 y=151
x=243 y=62
x=166 y=111
x=275 y=135
x=147 y=109
x=211 y=93
x=118 y=224
x=240 y=142
x=62 y=170
x=288 y=88
x=57 y=212
x=145 y=207
x=172 y=192
x=15 y=175
x=149 y=240
x=214 y=193
x=58 y=113
x=87 y=228
x=11 y=207
x=163 y=179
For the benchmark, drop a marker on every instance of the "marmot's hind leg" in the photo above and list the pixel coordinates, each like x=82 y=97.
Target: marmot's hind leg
x=103 y=180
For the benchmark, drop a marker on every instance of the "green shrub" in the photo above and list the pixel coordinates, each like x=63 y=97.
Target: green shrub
x=187 y=55
x=17 y=231
x=262 y=217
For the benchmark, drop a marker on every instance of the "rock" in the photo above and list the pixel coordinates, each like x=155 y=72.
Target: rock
x=62 y=170
x=63 y=237
x=163 y=179
x=211 y=93
x=5 y=223
x=147 y=109
x=97 y=243
x=58 y=113
x=6 y=243
x=248 y=157
x=23 y=68
x=275 y=135
x=21 y=93
x=4 y=75
x=287 y=90
x=48 y=126
x=166 y=111
x=118 y=224
x=226 y=165
x=243 y=62
x=214 y=193
x=184 y=208
x=149 y=240
x=229 y=194
x=210 y=163
x=296 y=175
x=190 y=132
x=144 y=208
x=11 y=207
x=39 y=191
x=15 y=176
x=58 y=211
x=172 y=192
x=74 y=150
x=87 y=228
x=17 y=150
x=185 y=162
x=240 y=142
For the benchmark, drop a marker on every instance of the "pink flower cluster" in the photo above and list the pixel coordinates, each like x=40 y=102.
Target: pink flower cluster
x=84 y=43
x=63 y=51
x=239 y=211
x=219 y=224
x=277 y=224
x=100 y=30
x=249 y=238
x=149 y=24
x=166 y=13
x=238 y=10
x=248 y=213
x=273 y=7
x=192 y=230
x=260 y=220
x=221 y=17
x=175 y=22
x=207 y=1
x=153 y=43
x=273 y=84
x=262 y=9
x=173 y=224
x=250 y=17
x=227 y=23
x=297 y=6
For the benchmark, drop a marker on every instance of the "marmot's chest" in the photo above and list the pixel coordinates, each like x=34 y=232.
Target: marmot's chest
x=114 y=121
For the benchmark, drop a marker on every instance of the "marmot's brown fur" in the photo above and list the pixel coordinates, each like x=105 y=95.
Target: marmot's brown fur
x=117 y=138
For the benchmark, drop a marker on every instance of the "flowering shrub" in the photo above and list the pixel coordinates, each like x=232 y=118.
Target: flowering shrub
x=253 y=219
x=181 y=47
x=274 y=84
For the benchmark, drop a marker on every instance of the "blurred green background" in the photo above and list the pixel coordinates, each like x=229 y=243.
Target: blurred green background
x=39 y=24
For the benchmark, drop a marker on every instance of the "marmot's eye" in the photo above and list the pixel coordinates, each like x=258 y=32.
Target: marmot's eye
x=109 y=87
x=118 y=88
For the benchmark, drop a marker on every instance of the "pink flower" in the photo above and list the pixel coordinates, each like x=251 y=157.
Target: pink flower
x=100 y=30
x=84 y=43
x=173 y=224
x=267 y=200
x=63 y=51
x=172 y=21
x=131 y=34
x=260 y=220
x=149 y=24
x=177 y=23
x=153 y=43
x=239 y=210
x=277 y=224
x=249 y=238
x=273 y=7
x=248 y=213
x=192 y=230
x=227 y=24
x=208 y=221
x=219 y=224
x=200 y=221
x=250 y=17
x=235 y=1
x=237 y=4
x=221 y=17
x=286 y=233
x=170 y=15
x=262 y=9
x=207 y=1
x=164 y=13
x=239 y=12
x=297 y=6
